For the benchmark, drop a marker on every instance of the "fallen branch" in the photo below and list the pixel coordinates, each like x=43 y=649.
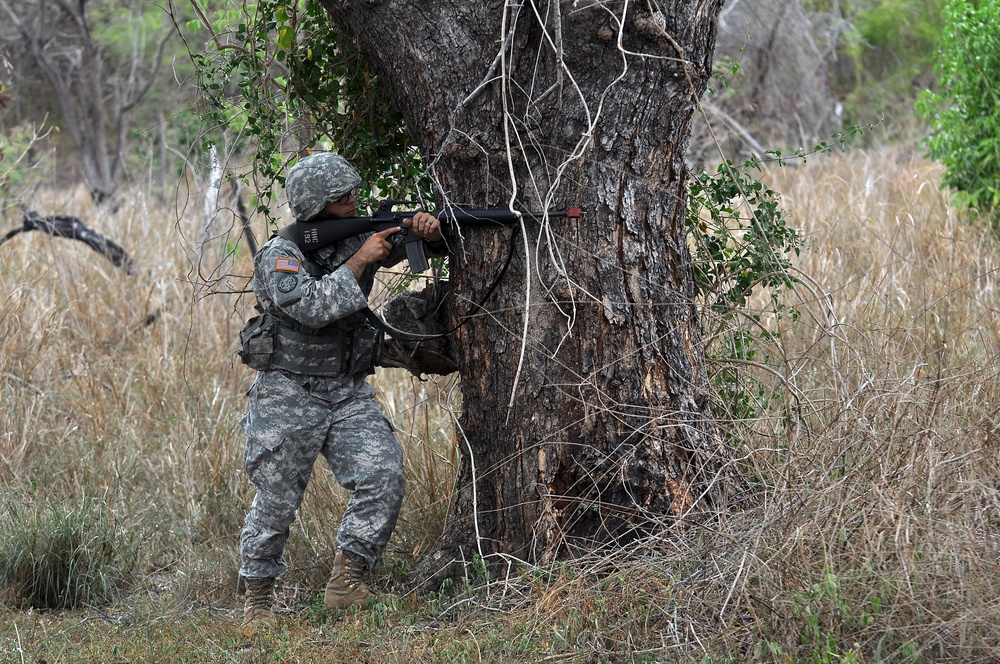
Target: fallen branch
x=74 y=229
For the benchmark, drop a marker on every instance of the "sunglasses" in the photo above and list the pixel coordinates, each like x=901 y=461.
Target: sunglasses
x=348 y=197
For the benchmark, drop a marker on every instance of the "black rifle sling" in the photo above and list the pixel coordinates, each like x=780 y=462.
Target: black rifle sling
x=375 y=320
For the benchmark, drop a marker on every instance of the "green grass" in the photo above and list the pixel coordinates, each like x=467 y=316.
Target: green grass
x=57 y=556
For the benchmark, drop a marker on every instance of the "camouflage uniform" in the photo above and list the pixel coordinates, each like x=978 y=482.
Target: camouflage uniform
x=296 y=415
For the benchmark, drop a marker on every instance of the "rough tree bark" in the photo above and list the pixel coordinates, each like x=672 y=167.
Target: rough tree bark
x=586 y=420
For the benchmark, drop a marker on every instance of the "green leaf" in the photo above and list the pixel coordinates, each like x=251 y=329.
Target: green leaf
x=285 y=36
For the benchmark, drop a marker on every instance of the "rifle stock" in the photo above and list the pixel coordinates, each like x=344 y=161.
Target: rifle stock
x=318 y=233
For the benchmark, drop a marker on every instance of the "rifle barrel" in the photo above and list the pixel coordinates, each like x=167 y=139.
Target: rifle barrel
x=494 y=216
x=317 y=233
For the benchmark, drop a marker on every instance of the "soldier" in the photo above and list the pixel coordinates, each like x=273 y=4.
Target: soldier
x=311 y=396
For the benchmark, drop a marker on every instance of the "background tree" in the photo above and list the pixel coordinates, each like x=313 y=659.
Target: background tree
x=775 y=66
x=6 y=74
x=97 y=72
x=791 y=74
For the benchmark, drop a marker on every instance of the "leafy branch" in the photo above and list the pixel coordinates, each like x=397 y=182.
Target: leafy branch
x=965 y=112
x=288 y=82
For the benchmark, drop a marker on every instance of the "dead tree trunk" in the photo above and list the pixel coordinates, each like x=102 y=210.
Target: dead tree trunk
x=586 y=421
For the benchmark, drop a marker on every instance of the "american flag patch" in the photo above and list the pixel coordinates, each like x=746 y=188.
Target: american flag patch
x=286 y=265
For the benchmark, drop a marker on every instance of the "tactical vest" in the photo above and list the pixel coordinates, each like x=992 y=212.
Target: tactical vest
x=348 y=346
x=274 y=340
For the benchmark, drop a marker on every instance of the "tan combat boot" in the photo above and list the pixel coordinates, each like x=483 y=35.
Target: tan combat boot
x=345 y=586
x=259 y=597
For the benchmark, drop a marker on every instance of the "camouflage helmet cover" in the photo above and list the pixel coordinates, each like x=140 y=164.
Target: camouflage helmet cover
x=316 y=180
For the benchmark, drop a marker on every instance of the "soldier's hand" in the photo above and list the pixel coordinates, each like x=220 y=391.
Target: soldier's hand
x=426 y=226
x=375 y=249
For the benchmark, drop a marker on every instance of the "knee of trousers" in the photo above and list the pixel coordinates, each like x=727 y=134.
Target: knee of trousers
x=388 y=483
x=376 y=468
x=271 y=513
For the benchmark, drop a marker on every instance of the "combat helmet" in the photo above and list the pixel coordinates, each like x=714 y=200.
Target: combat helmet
x=316 y=180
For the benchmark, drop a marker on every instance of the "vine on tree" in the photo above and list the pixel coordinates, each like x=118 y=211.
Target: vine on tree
x=287 y=81
x=743 y=246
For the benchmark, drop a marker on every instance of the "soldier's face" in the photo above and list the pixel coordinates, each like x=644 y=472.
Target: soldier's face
x=344 y=207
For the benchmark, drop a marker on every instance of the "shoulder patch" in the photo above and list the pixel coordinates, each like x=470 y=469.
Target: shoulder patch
x=287 y=283
x=286 y=265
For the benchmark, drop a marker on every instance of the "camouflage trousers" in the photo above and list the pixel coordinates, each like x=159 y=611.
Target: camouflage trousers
x=289 y=423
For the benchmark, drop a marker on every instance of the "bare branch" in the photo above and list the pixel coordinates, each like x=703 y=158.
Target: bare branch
x=72 y=228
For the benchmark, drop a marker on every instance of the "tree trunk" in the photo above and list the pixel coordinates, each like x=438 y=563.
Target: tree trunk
x=586 y=420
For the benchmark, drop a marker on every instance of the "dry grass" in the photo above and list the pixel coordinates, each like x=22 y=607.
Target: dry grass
x=877 y=465
x=878 y=526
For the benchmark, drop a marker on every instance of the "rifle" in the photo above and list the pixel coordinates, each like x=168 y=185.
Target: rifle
x=318 y=233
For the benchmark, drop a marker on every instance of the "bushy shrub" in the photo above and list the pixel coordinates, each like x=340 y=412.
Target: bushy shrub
x=966 y=109
x=63 y=556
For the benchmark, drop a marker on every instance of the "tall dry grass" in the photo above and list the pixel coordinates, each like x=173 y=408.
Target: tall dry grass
x=878 y=466
x=872 y=535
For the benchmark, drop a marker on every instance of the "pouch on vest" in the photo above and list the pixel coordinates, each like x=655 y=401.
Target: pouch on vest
x=366 y=340
x=257 y=342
